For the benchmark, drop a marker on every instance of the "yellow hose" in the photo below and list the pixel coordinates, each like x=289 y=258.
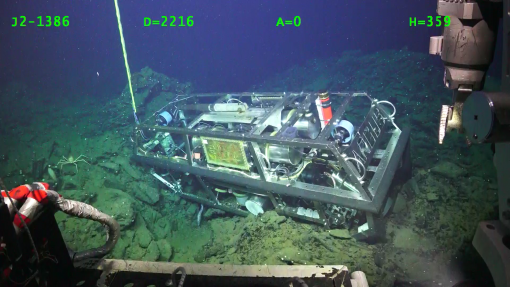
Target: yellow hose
x=301 y=170
x=125 y=55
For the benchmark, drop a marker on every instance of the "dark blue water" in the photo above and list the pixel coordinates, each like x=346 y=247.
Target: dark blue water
x=232 y=45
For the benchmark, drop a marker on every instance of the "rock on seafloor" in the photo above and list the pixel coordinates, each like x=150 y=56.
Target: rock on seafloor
x=340 y=233
x=448 y=169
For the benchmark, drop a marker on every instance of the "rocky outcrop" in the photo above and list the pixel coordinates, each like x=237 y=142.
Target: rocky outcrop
x=449 y=170
x=145 y=192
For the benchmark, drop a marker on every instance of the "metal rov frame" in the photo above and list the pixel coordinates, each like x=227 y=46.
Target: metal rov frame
x=370 y=161
x=114 y=273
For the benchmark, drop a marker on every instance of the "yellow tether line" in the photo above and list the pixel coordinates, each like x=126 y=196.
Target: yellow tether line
x=125 y=55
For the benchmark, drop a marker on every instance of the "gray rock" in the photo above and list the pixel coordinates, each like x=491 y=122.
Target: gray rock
x=129 y=235
x=400 y=204
x=165 y=249
x=269 y=216
x=120 y=248
x=171 y=197
x=232 y=250
x=94 y=183
x=145 y=193
x=449 y=170
x=152 y=253
x=114 y=183
x=79 y=195
x=192 y=209
x=126 y=166
x=110 y=166
x=212 y=213
x=280 y=219
x=135 y=252
x=293 y=255
x=340 y=233
x=162 y=228
x=411 y=187
x=68 y=183
x=379 y=259
x=143 y=237
x=432 y=196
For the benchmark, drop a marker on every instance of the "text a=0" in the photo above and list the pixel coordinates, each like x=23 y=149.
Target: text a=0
x=295 y=22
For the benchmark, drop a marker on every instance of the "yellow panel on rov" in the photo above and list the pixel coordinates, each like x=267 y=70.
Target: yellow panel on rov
x=225 y=152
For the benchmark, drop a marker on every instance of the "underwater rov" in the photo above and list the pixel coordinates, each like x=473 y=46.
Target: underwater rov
x=296 y=153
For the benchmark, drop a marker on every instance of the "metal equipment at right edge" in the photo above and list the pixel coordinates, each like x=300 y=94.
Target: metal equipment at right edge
x=467 y=49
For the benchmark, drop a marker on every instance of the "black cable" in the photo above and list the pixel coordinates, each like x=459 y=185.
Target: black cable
x=183 y=277
x=299 y=281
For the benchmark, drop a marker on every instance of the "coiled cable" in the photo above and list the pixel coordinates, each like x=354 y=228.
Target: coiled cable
x=173 y=282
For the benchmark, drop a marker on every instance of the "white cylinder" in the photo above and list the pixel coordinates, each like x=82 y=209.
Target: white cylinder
x=230 y=107
x=360 y=278
x=345 y=126
x=436 y=45
x=255 y=205
x=241 y=199
x=164 y=118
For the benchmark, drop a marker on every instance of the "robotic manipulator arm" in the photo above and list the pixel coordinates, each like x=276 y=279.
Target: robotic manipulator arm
x=467 y=49
x=20 y=210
